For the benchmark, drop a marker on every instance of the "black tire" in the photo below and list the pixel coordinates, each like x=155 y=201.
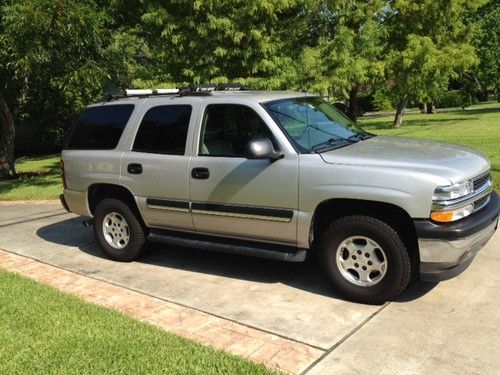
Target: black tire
x=137 y=237
x=398 y=262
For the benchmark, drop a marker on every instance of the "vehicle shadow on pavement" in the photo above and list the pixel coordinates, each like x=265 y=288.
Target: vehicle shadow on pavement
x=415 y=291
x=305 y=276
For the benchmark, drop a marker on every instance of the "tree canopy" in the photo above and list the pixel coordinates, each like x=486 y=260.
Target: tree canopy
x=486 y=40
x=56 y=56
x=50 y=63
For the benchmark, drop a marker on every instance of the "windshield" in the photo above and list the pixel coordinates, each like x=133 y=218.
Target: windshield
x=313 y=124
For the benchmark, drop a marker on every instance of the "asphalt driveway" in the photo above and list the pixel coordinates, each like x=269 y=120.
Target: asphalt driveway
x=451 y=327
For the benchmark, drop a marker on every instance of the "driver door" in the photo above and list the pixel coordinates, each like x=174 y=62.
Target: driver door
x=233 y=195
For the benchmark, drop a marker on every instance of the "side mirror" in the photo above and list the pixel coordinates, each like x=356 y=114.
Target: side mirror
x=262 y=148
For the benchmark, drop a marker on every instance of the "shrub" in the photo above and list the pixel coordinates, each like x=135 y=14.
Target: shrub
x=376 y=100
x=365 y=103
x=456 y=98
x=382 y=101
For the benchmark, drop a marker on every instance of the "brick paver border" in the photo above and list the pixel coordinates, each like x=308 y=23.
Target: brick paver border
x=34 y=201
x=272 y=350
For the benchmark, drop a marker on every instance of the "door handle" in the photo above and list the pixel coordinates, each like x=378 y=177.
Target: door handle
x=200 y=173
x=134 y=168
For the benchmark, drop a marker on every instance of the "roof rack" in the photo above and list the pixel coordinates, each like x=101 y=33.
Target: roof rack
x=232 y=87
x=208 y=88
x=193 y=90
x=198 y=90
x=140 y=93
x=133 y=92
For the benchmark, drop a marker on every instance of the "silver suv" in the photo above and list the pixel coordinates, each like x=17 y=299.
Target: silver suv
x=278 y=175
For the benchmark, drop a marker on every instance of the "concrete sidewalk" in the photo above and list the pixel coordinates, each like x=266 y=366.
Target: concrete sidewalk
x=451 y=327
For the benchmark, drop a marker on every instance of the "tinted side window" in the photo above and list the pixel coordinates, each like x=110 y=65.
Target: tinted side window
x=99 y=128
x=163 y=130
x=227 y=129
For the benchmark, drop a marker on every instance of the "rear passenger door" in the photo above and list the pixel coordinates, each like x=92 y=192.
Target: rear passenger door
x=155 y=167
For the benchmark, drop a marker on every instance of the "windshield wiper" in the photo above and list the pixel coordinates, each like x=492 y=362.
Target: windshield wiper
x=331 y=144
x=359 y=137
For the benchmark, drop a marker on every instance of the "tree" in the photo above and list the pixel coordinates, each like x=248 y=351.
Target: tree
x=49 y=64
x=345 y=52
x=422 y=71
x=214 y=40
x=429 y=45
x=486 y=40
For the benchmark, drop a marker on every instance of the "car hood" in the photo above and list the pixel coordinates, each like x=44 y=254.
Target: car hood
x=453 y=162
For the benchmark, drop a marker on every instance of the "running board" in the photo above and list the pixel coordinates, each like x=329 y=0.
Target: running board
x=229 y=245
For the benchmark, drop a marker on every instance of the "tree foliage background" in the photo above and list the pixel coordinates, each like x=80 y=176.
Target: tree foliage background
x=56 y=56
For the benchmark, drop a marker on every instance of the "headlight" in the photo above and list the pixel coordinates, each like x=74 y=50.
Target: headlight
x=455 y=191
x=445 y=208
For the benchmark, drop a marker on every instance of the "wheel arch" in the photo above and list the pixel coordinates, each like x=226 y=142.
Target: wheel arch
x=398 y=218
x=99 y=191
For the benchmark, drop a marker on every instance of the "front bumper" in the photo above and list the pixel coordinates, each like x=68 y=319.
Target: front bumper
x=446 y=250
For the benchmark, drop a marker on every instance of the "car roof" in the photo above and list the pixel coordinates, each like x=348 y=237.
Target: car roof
x=257 y=96
x=262 y=96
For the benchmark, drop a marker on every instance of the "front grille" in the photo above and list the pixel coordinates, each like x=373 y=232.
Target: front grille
x=481 y=180
x=480 y=203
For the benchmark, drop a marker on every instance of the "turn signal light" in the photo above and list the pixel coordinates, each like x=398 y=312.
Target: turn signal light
x=447 y=216
x=442 y=216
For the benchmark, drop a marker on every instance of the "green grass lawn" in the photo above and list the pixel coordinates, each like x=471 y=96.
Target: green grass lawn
x=477 y=127
x=38 y=178
x=43 y=331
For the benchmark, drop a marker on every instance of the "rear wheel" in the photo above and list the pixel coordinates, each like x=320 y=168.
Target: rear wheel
x=118 y=230
x=365 y=259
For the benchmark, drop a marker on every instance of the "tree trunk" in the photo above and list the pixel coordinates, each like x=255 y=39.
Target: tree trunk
x=400 y=111
x=423 y=108
x=353 y=103
x=482 y=92
x=431 y=108
x=7 y=134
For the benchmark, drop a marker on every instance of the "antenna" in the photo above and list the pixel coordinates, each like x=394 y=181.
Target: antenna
x=307 y=120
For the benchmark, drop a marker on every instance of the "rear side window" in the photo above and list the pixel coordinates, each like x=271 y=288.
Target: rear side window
x=163 y=130
x=99 y=128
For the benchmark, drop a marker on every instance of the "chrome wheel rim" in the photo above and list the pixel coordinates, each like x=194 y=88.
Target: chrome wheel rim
x=116 y=230
x=361 y=261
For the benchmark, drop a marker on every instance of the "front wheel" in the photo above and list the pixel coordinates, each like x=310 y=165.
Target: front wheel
x=365 y=259
x=117 y=230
